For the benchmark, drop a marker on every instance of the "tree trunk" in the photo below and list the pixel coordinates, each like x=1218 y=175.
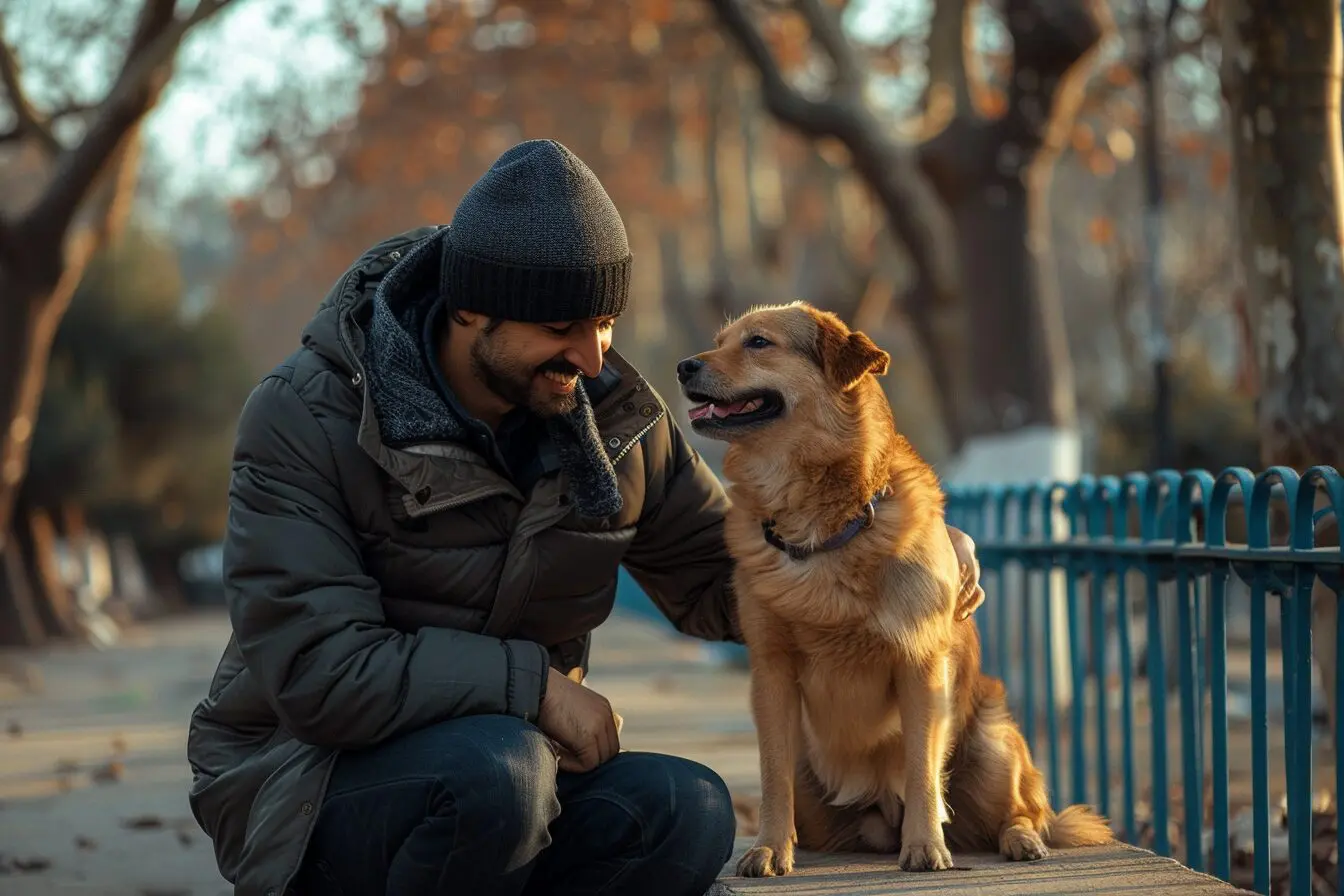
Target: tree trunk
x=720 y=268
x=749 y=121
x=1282 y=86
x=994 y=176
x=20 y=622
x=29 y=314
x=682 y=313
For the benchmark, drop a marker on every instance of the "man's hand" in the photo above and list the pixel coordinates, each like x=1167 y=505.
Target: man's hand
x=581 y=723
x=972 y=595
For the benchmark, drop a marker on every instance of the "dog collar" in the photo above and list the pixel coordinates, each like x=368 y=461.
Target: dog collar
x=801 y=552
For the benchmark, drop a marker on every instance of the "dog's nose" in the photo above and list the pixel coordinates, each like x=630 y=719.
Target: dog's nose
x=688 y=368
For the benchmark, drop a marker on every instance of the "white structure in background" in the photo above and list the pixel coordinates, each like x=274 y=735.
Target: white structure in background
x=1024 y=457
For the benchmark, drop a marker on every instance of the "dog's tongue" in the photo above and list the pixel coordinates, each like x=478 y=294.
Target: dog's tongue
x=727 y=410
x=716 y=410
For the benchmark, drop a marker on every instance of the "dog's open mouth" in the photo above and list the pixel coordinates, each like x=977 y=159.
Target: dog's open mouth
x=738 y=411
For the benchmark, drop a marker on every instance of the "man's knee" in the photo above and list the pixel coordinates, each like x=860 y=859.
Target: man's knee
x=490 y=771
x=693 y=809
x=499 y=768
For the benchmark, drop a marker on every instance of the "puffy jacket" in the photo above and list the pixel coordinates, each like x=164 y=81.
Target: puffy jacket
x=374 y=589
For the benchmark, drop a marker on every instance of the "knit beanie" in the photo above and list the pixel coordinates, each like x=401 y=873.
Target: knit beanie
x=537 y=239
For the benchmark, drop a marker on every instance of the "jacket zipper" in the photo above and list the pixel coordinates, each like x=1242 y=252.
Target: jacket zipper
x=454 y=501
x=639 y=435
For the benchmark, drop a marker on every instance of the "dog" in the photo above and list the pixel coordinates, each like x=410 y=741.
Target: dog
x=877 y=730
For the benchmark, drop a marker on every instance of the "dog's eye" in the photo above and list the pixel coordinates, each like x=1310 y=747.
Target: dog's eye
x=756 y=342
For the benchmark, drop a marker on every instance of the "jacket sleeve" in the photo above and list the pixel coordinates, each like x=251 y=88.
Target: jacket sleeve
x=679 y=556
x=308 y=617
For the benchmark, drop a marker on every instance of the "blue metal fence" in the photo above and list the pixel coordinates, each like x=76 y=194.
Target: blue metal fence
x=1170 y=531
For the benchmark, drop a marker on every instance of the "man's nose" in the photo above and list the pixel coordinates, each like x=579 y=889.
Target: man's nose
x=586 y=353
x=688 y=368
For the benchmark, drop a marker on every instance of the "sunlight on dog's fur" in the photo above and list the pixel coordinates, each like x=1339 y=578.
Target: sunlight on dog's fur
x=877 y=729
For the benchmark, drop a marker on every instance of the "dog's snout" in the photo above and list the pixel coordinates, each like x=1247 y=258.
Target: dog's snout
x=688 y=368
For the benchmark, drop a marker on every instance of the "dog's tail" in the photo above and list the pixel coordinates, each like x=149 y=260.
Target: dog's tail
x=1077 y=826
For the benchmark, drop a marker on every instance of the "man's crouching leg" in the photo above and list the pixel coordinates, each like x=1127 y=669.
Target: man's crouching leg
x=458 y=807
x=644 y=824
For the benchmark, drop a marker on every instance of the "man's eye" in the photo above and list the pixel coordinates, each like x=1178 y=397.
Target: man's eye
x=558 y=331
x=756 y=342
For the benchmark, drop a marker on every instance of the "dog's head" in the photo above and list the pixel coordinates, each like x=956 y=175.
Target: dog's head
x=773 y=362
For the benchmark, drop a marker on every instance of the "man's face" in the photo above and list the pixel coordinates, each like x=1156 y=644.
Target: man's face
x=537 y=366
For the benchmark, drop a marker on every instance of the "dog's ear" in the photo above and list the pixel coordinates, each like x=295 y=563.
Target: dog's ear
x=846 y=357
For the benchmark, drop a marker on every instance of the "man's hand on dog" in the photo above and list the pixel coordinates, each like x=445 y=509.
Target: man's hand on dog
x=580 y=721
x=972 y=595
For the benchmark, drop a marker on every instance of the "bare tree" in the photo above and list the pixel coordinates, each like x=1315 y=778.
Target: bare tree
x=45 y=247
x=983 y=302
x=1282 y=86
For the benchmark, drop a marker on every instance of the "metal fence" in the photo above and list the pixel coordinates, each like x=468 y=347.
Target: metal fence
x=1118 y=552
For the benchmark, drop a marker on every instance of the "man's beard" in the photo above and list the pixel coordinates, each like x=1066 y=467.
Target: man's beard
x=516 y=382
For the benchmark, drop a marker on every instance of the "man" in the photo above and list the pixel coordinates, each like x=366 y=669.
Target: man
x=429 y=504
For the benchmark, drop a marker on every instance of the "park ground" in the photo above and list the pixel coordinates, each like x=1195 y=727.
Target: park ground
x=93 y=777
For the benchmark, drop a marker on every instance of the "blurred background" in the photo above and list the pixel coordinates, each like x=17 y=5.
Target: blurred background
x=1095 y=235
x=181 y=183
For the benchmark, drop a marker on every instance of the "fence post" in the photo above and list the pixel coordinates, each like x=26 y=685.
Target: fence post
x=1025 y=457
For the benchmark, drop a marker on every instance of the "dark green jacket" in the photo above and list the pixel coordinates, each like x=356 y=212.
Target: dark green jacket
x=374 y=589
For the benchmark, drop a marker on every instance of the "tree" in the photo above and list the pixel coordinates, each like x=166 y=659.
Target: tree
x=135 y=429
x=1006 y=364
x=1282 y=86
x=136 y=421
x=84 y=199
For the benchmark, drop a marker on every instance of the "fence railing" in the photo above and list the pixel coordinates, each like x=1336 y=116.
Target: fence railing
x=1094 y=550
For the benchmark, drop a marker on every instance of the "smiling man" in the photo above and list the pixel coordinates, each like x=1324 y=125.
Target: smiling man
x=429 y=505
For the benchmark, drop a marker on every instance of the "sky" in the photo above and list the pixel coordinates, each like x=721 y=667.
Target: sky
x=196 y=135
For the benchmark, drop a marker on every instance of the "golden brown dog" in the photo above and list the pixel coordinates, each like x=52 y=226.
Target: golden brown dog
x=876 y=726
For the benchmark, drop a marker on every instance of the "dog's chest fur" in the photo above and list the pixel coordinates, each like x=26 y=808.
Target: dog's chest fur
x=853 y=617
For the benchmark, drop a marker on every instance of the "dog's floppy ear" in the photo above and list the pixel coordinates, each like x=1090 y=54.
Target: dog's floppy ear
x=846 y=357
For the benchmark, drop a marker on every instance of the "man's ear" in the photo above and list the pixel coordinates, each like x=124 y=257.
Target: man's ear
x=847 y=357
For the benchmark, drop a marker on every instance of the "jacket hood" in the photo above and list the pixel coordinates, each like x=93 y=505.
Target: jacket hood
x=374 y=335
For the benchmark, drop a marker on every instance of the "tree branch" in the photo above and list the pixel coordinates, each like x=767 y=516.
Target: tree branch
x=30 y=122
x=1050 y=42
x=911 y=207
x=949 y=90
x=153 y=46
x=827 y=30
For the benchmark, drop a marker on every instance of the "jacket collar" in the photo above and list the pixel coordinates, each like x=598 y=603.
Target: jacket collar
x=440 y=473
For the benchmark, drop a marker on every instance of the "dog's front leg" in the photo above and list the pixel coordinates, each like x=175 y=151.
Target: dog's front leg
x=926 y=711
x=776 y=704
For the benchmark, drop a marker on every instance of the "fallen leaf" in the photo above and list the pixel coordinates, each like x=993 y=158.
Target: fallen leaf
x=143 y=823
x=184 y=838
x=32 y=863
x=110 y=773
x=66 y=766
x=14 y=728
x=85 y=843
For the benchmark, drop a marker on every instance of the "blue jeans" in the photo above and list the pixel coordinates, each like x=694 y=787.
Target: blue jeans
x=476 y=806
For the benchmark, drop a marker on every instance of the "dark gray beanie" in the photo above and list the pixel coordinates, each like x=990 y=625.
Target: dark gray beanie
x=537 y=239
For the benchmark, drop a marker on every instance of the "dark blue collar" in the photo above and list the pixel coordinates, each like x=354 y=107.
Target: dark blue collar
x=838 y=540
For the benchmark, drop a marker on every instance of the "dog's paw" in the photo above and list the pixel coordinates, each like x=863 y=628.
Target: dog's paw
x=1022 y=844
x=925 y=857
x=766 y=861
